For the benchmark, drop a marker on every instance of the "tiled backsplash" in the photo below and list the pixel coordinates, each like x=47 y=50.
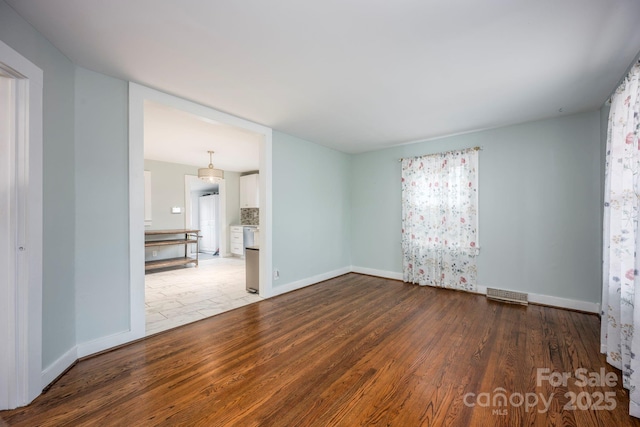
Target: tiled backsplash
x=250 y=216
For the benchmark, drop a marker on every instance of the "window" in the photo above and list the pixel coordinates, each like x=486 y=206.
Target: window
x=439 y=219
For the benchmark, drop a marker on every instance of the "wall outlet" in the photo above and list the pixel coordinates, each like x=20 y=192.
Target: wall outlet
x=154 y=253
x=276 y=274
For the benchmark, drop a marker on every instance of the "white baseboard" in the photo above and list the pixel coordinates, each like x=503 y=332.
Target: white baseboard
x=572 y=304
x=378 y=273
x=634 y=409
x=292 y=286
x=589 y=307
x=105 y=343
x=54 y=370
x=85 y=349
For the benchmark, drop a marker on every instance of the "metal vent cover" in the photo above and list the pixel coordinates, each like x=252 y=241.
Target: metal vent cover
x=508 y=296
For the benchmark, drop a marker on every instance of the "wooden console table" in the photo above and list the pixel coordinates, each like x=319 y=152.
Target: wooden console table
x=172 y=238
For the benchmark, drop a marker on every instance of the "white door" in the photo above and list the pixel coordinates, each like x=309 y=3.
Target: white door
x=7 y=236
x=20 y=229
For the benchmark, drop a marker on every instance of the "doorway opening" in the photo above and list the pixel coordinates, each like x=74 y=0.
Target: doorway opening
x=203 y=211
x=179 y=295
x=217 y=256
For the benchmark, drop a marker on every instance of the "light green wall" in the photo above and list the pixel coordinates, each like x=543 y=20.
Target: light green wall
x=102 y=205
x=167 y=191
x=58 y=292
x=311 y=207
x=539 y=206
x=232 y=187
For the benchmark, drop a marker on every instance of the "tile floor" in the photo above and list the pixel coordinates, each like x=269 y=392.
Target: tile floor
x=180 y=296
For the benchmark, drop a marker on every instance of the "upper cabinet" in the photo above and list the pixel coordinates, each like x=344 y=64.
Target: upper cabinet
x=249 y=191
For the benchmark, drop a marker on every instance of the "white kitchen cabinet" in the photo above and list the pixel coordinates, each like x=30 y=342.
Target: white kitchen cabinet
x=235 y=240
x=249 y=191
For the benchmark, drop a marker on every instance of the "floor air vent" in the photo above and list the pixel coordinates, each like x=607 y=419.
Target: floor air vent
x=507 y=296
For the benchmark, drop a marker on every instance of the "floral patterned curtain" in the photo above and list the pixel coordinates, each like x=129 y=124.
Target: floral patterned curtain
x=621 y=240
x=439 y=219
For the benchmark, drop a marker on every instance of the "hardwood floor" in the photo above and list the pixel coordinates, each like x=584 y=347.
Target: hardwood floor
x=355 y=350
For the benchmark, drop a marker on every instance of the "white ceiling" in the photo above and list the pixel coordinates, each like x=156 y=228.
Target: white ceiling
x=176 y=136
x=357 y=75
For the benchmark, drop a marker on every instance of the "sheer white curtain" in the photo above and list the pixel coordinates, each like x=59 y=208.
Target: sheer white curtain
x=621 y=240
x=439 y=219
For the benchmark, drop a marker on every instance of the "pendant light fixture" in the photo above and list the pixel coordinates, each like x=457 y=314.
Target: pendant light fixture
x=210 y=174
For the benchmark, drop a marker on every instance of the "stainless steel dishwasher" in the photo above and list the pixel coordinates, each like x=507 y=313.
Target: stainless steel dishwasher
x=252 y=265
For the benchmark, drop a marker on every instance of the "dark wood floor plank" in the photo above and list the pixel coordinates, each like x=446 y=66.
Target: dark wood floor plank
x=355 y=350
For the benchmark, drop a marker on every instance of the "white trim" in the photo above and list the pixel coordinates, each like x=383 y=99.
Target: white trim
x=590 y=307
x=377 y=273
x=299 y=284
x=553 y=301
x=83 y=350
x=26 y=323
x=137 y=95
x=634 y=409
x=223 y=229
x=266 y=225
x=104 y=343
x=101 y=344
x=136 y=216
x=53 y=371
x=8 y=226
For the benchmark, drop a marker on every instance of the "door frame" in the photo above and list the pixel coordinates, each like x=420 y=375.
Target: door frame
x=222 y=206
x=21 y=328
x=138 y=94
